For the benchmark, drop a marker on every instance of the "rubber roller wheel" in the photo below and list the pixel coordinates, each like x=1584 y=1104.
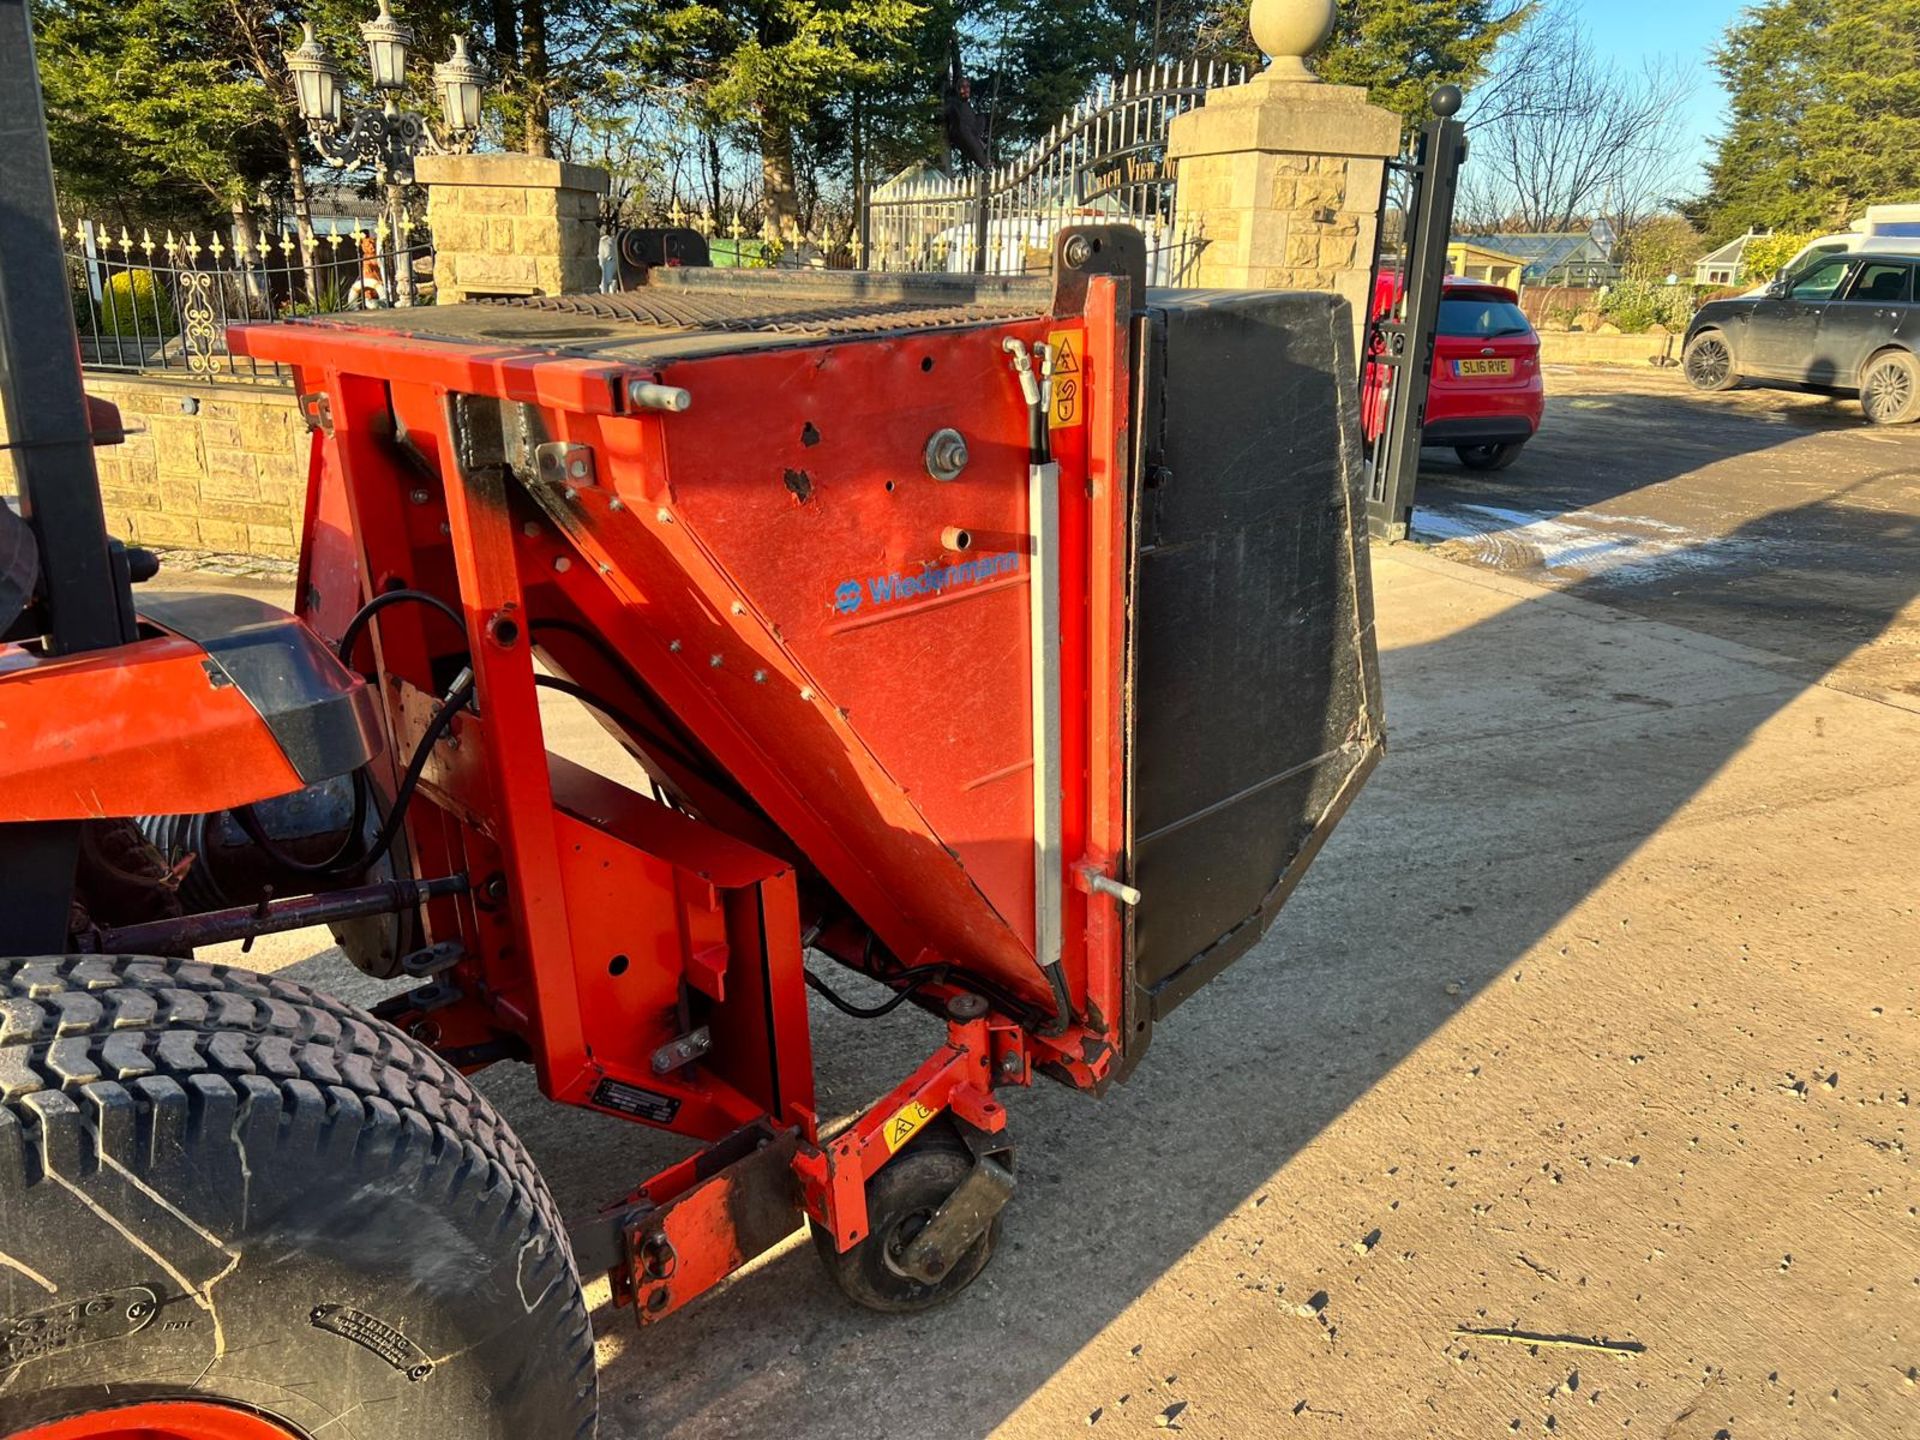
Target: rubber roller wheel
x=901 y=1199
x=245 y=1208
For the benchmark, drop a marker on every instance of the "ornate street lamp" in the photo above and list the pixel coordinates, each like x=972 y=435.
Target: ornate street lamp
x=459 y=81
x=386 y=138
x=387 y=43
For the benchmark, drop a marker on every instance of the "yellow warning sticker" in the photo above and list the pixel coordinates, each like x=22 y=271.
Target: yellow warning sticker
x=905 y=1124
x=1069 y=384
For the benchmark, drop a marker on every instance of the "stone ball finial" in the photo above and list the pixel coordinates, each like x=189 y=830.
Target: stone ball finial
x=1290 y=30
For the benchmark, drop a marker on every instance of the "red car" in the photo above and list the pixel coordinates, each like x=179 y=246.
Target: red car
x=1486 y=398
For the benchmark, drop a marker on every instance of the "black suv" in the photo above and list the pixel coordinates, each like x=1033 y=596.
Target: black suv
x=1844 y=323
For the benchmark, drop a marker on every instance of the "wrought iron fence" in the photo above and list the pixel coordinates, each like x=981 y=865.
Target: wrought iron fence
x=162 y=304
x=822 y=250
x=829 y=243
x=1104 y=162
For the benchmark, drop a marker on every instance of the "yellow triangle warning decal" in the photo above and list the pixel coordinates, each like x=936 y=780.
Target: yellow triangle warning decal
x=1066 y=360
x=903 y=1124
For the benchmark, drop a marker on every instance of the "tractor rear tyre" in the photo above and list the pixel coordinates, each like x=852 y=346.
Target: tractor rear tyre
x=243 y=1208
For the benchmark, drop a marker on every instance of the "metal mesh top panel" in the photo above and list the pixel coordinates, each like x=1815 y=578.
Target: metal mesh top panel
x=690 y=313
x=749 y=313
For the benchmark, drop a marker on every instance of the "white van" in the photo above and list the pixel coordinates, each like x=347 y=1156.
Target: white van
x=1884 y=230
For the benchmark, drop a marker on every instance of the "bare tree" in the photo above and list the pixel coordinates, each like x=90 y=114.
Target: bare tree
x=1562 y=138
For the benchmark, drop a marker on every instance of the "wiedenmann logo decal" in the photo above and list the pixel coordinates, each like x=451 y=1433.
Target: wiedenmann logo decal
x=850 y=595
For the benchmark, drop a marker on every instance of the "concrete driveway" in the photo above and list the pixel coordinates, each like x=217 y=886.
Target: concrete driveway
x=1778 y=519
x=1571 y=1093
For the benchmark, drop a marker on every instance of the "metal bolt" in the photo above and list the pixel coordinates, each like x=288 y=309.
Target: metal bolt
x=531 y=529
x=715 y=661
x=946 y=454
x=616 y=504
x=1010 y=1063
x=658 y=1257
x=648 y=396
x=577 y=467
x=419 y=496
x=561 y=564
x=663 y=515
x=806 y=692
x=759 y=677
x=674 y=646
x=1078 y=251
x=738 y=608
x=572 y=494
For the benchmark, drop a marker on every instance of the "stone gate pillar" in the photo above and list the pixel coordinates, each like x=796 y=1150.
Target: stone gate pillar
x=511 y=225
x=1280 y=178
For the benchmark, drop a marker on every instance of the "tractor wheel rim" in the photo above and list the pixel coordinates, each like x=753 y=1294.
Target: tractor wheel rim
x=164 y=1420
x=1888 y=390
x=1709 y=364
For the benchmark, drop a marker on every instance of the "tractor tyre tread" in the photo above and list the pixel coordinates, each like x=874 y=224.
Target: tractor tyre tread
x=111 y=1060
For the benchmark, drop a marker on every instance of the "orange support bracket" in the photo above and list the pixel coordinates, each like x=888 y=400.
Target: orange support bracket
x=958 y=1077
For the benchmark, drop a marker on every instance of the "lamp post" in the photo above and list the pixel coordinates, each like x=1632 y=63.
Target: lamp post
x=385 y=136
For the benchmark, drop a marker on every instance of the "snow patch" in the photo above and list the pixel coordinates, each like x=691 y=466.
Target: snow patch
x=1581 y=542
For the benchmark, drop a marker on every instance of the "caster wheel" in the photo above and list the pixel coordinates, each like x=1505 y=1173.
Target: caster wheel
x=901 y=1199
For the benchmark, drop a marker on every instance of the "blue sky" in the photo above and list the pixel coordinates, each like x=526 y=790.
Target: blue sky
x=1685 y=30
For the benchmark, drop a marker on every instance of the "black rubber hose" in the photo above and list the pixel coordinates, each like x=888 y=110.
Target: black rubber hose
x=389 y=831
x=914 y=979
x=456 y=700
x=1062 y=1006
x=350 y=636
x=630 y=722
x=682 y=738
x=334 y=864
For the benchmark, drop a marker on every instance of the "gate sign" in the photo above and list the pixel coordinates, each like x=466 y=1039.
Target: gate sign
x=1069 y=383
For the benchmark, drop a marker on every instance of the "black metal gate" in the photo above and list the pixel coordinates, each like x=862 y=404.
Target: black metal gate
x=1409 y=272
x=1104 y=163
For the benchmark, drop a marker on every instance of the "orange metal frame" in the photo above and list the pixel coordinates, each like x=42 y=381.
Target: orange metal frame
x=602 y=922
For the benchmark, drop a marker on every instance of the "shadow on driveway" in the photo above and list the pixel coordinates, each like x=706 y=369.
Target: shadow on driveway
x=1531 y=753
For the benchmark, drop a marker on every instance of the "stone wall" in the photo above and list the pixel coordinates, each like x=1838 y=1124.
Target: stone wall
x=1577 y=347
x=512 y=225
x=206 y=466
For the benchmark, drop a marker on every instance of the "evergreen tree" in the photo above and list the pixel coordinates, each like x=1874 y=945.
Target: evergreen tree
x=149 y=113
x=773 y=67
x=1402 y=50
x=1824 y=117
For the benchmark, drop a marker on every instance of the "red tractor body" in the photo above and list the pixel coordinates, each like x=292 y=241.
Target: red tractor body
x=1005 y=643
